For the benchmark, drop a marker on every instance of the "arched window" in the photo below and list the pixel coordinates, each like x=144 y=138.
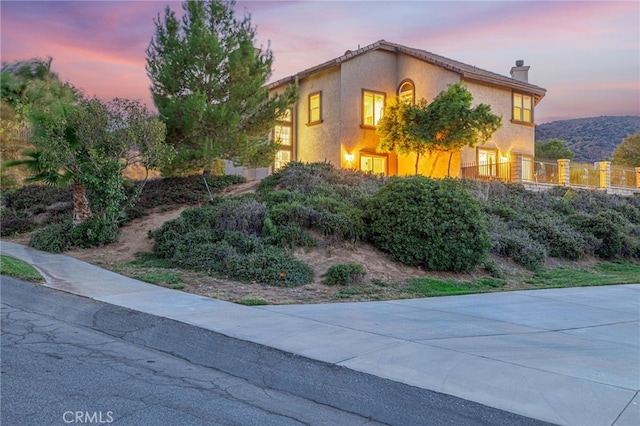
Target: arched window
x=406 y=92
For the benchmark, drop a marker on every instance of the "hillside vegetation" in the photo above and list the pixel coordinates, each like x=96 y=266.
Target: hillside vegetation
x=591 y=139
x=439 y=225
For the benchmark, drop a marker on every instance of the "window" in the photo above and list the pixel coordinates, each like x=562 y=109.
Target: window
x=406 y=93
x=376 y=164
x=372 y=107
x=487 y=159
x=315 y=108
x=283 y=133
x=522 y=108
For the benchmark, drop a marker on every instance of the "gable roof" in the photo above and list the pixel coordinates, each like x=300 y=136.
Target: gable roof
x=467 y=72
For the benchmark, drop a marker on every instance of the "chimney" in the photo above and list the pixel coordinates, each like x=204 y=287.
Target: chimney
x=520 y=72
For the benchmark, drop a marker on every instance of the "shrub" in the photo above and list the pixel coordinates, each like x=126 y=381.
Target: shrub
x=52 y=238
x=521 y=248
x=287 y=236
x=245 y=215
x=435 y=224
x=607 y=231
x=344 y=274
x=13 y=224
x=200 y=240
x=93 y=232
x=559 y=240
x=36 y=197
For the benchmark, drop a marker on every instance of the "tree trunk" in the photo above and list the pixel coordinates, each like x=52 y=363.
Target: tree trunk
x=417 y=161
x=81 y=209
x=449 y=165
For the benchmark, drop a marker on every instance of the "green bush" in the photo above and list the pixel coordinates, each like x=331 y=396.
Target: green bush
x=12 y=223
x=521 y=248
x=52 y=238
x=93 y=232
x=36 y=198
x=607 y=231
x=201 y=240
x=344 y=274
x=435 y=224
x=547 y=228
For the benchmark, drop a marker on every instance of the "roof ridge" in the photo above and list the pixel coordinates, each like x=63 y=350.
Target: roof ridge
x=465 y=70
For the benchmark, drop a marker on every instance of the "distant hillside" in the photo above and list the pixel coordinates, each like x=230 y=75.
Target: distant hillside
x=592 y=139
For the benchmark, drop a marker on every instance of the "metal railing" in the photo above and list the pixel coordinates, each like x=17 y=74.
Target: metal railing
x=621 y=176
x=539 y=171
x=492 y=171
x=584 y=175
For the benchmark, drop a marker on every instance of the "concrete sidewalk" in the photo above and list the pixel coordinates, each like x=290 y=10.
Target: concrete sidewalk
x=564 y=356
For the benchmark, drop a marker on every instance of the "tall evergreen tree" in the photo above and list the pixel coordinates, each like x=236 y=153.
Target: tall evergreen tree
x=208 y=82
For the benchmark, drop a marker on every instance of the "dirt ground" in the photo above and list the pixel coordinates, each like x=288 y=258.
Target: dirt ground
x=385 y=278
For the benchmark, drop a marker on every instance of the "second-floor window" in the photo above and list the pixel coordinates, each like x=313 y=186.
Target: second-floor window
x=315 y=108
x=372 y=107
x=406 y=92
x=522 y=108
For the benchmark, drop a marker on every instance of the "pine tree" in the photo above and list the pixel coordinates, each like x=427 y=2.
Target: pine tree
x=209 y=85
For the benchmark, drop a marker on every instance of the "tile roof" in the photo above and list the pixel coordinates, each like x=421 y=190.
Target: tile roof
x=466 y=71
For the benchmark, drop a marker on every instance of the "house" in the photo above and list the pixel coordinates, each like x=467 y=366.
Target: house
x=341 y=101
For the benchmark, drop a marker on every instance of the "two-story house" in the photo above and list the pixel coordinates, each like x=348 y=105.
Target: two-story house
x=341 y=101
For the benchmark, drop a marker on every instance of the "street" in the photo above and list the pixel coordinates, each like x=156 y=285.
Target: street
x=57 y=373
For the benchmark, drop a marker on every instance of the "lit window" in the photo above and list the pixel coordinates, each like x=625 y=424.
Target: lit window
x=487 y=162
x=283 y=134
x=522 y=108
x=315 y=108
x=372 y=107
x=373 y=163
x=406 y=92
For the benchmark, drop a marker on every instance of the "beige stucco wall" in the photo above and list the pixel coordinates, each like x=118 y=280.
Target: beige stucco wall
x=341 y=132
x=429 y=80
x=373 y=71
x=319 y=142
x=511 y=137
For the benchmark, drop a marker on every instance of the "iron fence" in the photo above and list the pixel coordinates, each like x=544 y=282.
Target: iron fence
x=491 y=171
x=584 y=175
x=623 y=177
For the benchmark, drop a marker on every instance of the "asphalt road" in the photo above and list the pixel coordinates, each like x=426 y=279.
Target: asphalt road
x=54 y=372
x=71 y=360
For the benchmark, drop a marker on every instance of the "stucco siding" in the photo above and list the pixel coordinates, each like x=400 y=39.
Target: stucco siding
x=374 y=71
x=319 y=142
x=511 y=137
x=429 y=80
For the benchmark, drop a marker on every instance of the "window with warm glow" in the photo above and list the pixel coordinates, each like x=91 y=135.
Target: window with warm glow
x=372 y=107
x=406 y=92
x=487 y=159
x=373 y=163
x=522 y=108
x=315 y=108
x=283 y=134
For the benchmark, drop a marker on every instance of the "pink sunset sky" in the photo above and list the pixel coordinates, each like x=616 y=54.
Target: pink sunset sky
x=585 y=53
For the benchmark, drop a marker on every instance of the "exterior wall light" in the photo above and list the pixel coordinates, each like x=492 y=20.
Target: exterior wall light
x=349 y=158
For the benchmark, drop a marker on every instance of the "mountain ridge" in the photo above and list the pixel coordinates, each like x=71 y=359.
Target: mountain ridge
x=592 y=139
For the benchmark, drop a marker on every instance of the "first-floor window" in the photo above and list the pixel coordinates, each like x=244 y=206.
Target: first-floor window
x=283 y=134
x=372 y=107
x=487 y=160
x=375 y=164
